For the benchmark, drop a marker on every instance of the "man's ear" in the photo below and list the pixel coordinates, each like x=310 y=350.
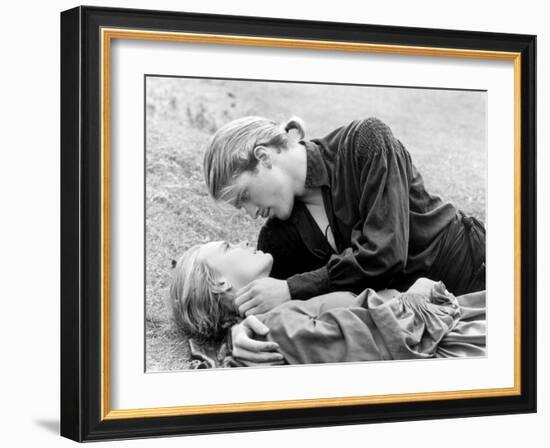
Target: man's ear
x=263 y=156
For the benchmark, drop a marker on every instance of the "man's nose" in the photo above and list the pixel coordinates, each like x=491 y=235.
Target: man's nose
x=244 y=244
x=251 y=210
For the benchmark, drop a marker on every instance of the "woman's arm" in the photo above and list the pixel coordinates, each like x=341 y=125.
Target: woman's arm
x=374 y=326
x=309 y=332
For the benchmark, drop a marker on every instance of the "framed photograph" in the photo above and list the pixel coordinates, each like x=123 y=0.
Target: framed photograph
x=275 y=223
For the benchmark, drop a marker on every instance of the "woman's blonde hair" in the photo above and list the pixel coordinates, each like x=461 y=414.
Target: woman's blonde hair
x=196 y=299
x=230 y=151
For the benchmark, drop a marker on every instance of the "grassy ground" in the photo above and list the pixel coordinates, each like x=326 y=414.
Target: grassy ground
x=443 y=130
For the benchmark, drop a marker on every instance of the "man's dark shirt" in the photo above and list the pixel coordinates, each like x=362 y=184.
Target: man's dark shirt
x=387 y=227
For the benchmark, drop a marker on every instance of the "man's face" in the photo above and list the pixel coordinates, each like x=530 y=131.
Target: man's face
x=267 y=192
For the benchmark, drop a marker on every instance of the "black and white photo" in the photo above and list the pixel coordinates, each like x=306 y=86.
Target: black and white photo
x=303 y=223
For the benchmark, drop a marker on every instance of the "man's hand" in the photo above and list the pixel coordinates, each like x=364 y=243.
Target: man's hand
x=261 y=296
x=250 y=351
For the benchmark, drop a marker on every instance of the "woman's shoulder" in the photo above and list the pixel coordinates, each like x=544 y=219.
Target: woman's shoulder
x=337 y=299
x=316 y=305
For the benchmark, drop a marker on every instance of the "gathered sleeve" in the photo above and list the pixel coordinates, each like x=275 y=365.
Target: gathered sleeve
x=414 y=324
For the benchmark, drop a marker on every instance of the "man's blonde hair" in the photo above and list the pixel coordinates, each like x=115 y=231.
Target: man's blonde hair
x=230 y=151
x=196 y=299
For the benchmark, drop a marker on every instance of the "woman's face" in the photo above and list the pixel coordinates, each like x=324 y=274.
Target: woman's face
x=267 y=191
x=238 y=264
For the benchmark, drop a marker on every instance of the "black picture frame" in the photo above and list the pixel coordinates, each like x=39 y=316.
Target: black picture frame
x=81 y=224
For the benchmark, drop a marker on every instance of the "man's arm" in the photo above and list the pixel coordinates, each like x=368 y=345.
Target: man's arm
x=284 y=240
x=377 y=170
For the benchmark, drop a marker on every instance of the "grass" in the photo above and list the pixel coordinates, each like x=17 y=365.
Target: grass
x=443 y=130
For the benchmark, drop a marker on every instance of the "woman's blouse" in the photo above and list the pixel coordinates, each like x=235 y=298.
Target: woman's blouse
x=341 y=327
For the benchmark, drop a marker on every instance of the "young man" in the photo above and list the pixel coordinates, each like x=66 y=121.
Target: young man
x=346 y=212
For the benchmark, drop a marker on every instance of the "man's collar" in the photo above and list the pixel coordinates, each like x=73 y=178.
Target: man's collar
x=316 y=173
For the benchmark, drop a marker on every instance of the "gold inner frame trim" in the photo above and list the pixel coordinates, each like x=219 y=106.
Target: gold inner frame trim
x=107 y=35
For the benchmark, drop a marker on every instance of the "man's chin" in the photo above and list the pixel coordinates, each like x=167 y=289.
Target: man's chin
x=270 y=264
x=283 y=216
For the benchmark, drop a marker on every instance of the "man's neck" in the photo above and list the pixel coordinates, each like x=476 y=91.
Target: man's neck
x=296 y=164
x=312 y=196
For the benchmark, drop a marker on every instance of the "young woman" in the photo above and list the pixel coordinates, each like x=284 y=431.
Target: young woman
x=424 y=322
x=346 y=212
